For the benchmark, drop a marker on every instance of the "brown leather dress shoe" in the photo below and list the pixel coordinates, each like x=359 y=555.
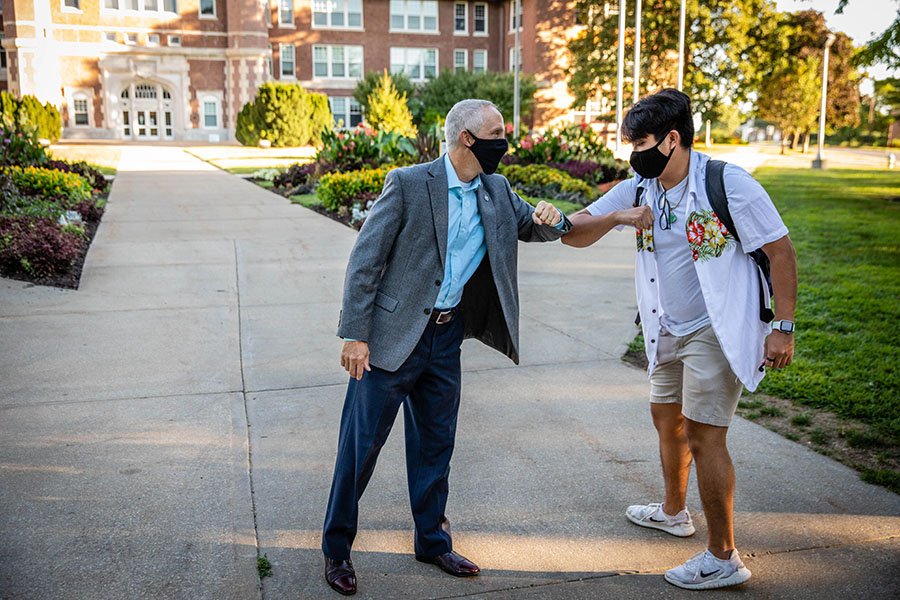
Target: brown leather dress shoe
x=340 y=576
x=453 y=563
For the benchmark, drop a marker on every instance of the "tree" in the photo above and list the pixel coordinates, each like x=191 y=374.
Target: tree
x=725 y=40
x=401 y=82
x=787 y=98
x=449 y=87
x=388 y=110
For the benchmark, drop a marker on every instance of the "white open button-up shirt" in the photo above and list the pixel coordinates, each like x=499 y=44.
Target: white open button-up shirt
x=729 y=278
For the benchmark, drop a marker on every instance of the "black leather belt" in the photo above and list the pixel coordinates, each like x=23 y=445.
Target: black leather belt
x=442 y=317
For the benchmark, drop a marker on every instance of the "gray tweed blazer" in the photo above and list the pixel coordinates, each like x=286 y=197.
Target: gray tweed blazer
x=397 y=264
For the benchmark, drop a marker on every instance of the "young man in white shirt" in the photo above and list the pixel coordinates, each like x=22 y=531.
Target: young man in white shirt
x=699 y=298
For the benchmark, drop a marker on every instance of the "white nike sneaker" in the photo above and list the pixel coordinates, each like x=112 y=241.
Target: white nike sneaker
x=652 y=515
x=703 y=571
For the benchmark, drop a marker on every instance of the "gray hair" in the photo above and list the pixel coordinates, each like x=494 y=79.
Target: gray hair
x=465 y=114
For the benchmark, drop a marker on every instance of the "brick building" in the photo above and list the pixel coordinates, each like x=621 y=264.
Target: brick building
x=182 y=69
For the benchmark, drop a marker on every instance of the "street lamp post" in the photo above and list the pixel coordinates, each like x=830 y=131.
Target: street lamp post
x=819 y=161
x=637 y=50
x=681 y=47
x=621 y=75
x=517 y=59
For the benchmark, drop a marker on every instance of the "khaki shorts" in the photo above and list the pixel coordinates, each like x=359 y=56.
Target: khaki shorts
x=692 y=371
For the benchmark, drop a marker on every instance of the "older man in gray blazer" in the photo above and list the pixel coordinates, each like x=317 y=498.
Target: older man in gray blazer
x=434 y=263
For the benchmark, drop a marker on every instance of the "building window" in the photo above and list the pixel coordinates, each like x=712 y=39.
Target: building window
x=109 y=37
x=414 y=15
x=111 y=4
x=153 y=39
x=2 y=52
x=512 y=59
x=460 y=60
x=170 y=6
x=71 y=5
x=460 y=18
x=145 y=92
x=207 y=9
x=338 y=61
x=130 y=4
x=479 y=61
x=286 y=55
x=286 y=13
x=210 y=113
x=126 y=122
x=151 y=5
x=480 y=18
x=174 y=40
x=131 y=39
x=512 y=19
x=416 y=63
x=346 y=111
x=337 y=13
x=269 y=68
x=80 y=109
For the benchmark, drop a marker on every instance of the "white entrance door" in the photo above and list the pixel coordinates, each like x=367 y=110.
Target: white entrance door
x=146 y=112
x=147 y=125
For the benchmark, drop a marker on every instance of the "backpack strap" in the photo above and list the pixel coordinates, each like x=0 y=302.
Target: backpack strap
x=715 y=192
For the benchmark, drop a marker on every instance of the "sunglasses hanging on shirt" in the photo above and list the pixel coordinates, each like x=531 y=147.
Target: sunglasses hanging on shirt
x=667 y=211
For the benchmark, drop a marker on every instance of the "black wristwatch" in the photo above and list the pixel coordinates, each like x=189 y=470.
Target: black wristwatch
x=784 y=326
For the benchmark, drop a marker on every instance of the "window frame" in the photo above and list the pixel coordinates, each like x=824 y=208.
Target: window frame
x=74 y=95
x=281 y=22
x=512 y=7
x=479 y=52
x=205 y=99
x=465 y=55
x=421 y=30
x=465 y=29
x=152 y=44
x=129 y=41
x=120 y=7
x=347 y=115
x=170 y=38
x=64 y=6
x=202 y=15
x=423 y=52
x=4 y=59
x=329 y=54
x=475 y=31
x=346 y=26
x=281 y=73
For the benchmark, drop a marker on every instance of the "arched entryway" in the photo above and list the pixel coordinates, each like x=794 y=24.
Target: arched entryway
x=146 y=111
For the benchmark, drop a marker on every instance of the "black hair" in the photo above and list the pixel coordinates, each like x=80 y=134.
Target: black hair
x=657 y=115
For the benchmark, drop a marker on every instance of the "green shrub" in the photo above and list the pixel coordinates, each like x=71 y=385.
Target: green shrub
x=30 y=113
x=50 y=183
x=286 y=115
x=388 y=110
x=19 y=144
x=438 y=95
x=545 y=182
x=338 y=190
x=575 y=142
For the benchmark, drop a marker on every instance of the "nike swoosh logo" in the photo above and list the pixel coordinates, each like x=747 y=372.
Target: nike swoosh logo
x=657 y=520
x=702 y=574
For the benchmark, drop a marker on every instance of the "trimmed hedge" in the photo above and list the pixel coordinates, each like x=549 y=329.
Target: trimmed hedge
x=338 y=190
x=285 y=114
x=546 y=182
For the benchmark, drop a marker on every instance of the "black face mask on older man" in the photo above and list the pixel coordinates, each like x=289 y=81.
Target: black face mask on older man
x=489 y=152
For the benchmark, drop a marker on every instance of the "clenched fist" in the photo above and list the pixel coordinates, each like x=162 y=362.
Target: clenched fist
x=639 y=218
x=546 y=214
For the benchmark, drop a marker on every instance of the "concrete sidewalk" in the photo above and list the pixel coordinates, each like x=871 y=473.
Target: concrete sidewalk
x=181 y=409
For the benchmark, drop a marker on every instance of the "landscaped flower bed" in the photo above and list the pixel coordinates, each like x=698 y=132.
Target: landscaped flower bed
x=570 y=167
x=49 y=210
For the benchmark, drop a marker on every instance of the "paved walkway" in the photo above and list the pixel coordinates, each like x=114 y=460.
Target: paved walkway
x=181 y=408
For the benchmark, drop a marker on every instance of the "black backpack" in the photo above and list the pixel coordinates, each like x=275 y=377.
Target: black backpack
x=715 y=192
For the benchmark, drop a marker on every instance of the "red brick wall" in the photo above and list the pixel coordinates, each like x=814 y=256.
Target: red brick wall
x=205 y=75
x=83 y=72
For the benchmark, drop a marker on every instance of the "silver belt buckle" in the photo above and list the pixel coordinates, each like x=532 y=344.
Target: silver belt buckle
x=441 y=317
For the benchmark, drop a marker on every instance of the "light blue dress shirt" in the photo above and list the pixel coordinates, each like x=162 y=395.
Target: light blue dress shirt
x=465 y=238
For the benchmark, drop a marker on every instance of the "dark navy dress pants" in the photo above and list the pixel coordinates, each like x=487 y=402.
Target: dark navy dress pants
x=427 y=385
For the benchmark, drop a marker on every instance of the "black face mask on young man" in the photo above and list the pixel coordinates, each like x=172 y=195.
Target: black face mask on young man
x=488 y=152
x=650 y=163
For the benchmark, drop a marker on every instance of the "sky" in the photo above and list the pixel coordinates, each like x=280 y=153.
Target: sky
x=862 y=20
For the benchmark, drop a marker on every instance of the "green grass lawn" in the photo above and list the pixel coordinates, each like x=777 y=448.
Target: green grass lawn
x=845 y=225
x=106 y=170
x=307 y=200
x=249 y=170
